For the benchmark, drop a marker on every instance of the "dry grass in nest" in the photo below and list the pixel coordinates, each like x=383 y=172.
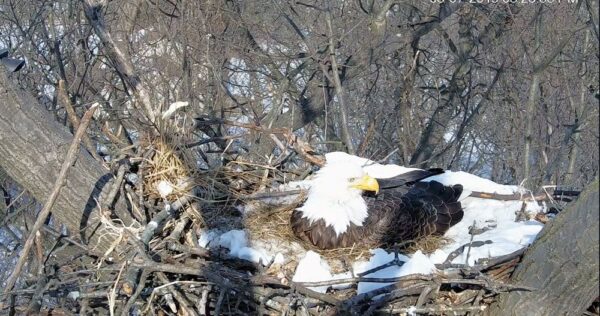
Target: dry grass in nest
x=272 y=222
x=245 y=177
x=166 y=164
x=241 y=181
x=341 y=259
x=427 y=244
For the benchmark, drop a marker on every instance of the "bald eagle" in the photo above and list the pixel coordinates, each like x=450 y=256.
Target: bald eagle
x=346 y=207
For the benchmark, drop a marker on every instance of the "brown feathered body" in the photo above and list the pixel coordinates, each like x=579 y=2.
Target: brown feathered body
x=403 y=210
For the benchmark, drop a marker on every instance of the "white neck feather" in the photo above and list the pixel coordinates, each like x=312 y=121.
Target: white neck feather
x=330 y=198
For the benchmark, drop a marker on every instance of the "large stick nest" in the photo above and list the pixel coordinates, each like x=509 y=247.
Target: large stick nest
x=164 y=271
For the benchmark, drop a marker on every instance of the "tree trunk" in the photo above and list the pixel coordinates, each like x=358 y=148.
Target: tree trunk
x=440 y=122
x=580 y=115
x=32 y=148
x=339 y=90
x=533 y=99
x=562 y=264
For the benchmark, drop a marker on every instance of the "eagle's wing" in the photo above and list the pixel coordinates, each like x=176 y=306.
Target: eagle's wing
x=407 y=213
x=408 y=178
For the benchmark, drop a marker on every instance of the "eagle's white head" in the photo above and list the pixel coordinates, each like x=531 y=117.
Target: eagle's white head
x=335 y=195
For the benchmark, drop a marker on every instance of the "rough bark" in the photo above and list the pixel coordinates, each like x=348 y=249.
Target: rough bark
x=33 y=146
x=34 y=235
x=562 y=264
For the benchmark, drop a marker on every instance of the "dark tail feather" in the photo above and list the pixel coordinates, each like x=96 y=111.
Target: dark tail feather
x=450 y=210
x=444 y=199
x=455 y=208
x=457 y=190
x=408 y=178
x=448 y=194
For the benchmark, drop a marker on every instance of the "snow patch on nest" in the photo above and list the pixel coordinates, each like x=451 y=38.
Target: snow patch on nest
x=237 y=243
x=164 y=188
x=314 y=269
x=418 y=263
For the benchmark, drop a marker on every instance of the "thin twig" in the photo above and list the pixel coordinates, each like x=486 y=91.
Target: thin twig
x=435 y=310
x=270 y=195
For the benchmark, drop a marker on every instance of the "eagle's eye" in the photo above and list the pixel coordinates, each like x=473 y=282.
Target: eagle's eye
x=352 y=179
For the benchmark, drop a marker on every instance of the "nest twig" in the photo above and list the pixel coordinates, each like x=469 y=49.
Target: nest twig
x=205 y=284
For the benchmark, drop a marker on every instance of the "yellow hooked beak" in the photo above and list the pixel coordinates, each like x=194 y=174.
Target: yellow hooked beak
x=366 y=183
